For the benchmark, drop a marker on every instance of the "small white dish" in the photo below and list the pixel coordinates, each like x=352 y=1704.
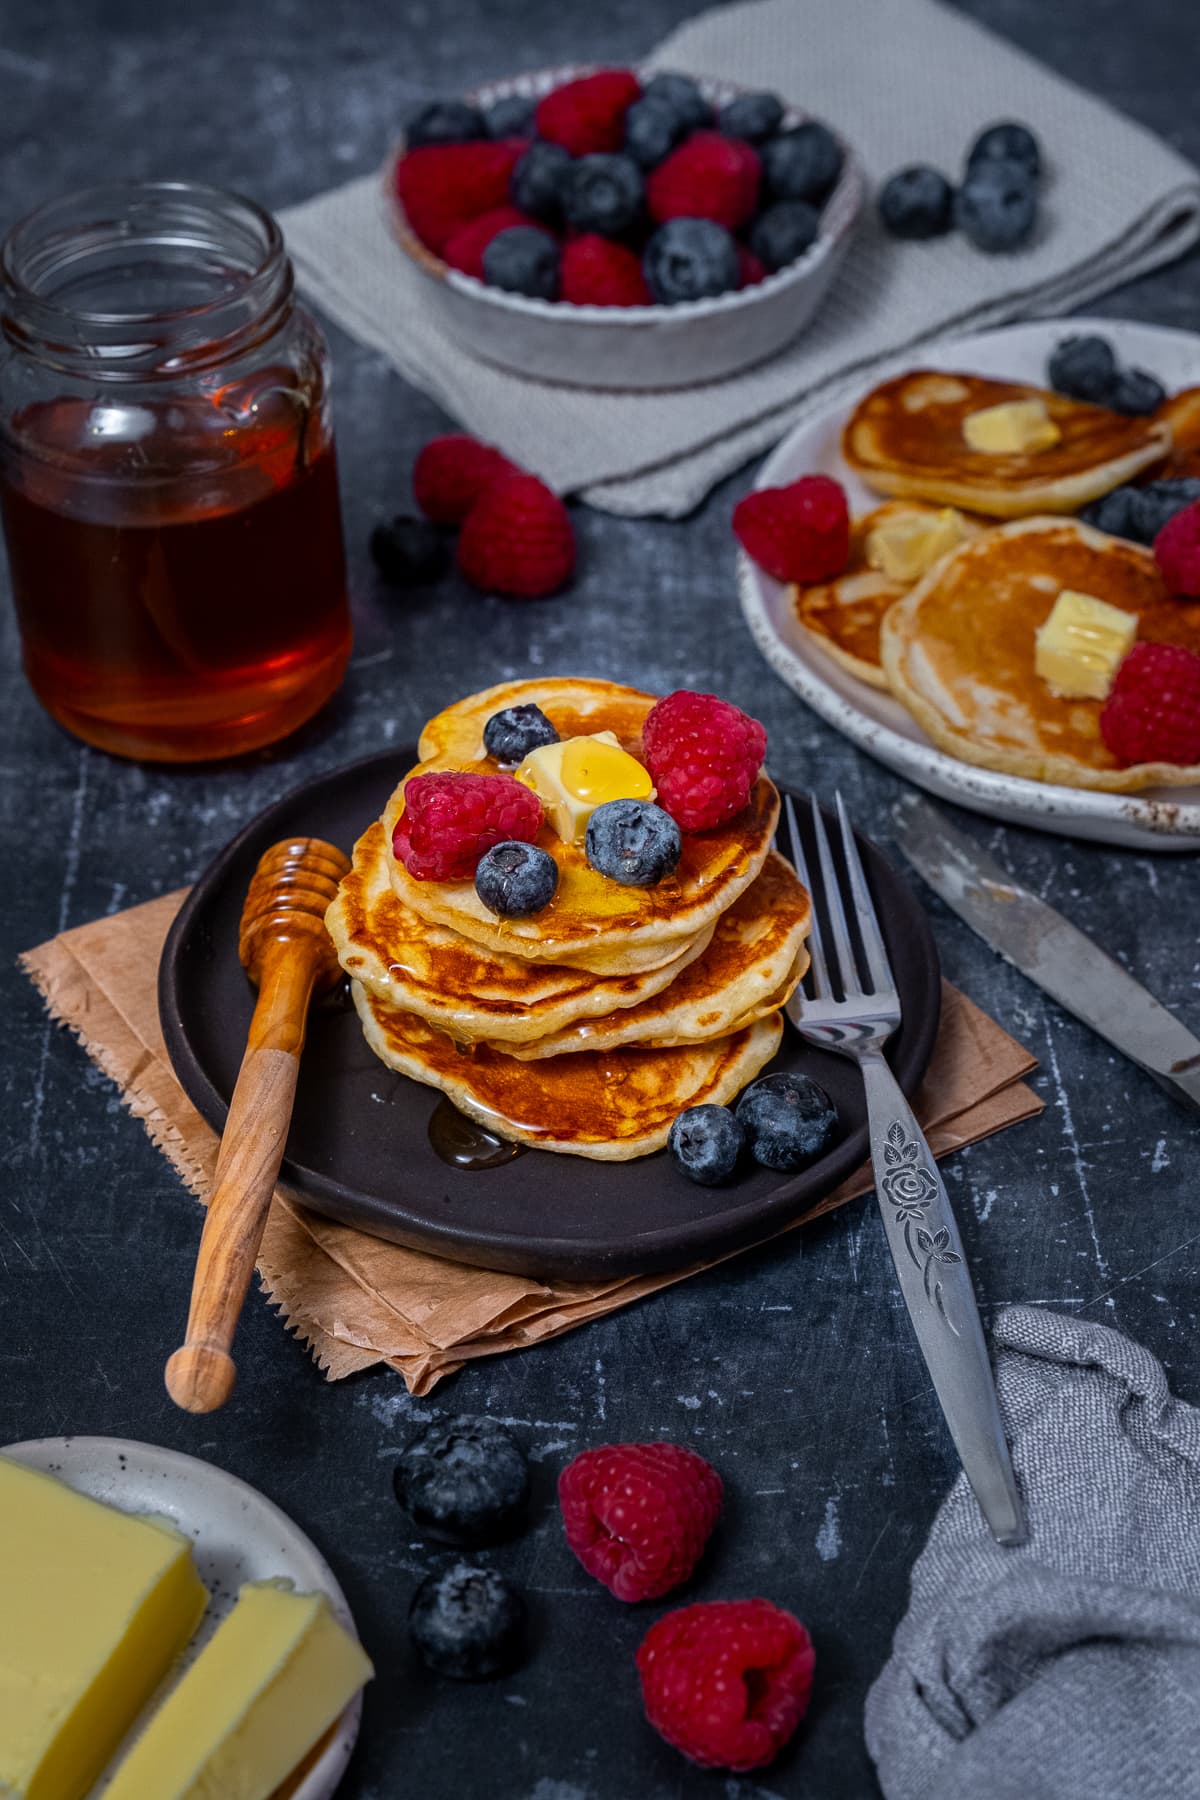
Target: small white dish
x=636 y=346
x=1157 y=818
x=239 y=1536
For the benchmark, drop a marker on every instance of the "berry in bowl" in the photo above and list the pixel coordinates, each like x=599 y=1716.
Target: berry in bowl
x=612 y=228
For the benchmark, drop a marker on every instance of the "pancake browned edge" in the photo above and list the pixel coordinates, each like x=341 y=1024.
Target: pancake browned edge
x=906 y=437
x=959 y=651
x=1181 y=414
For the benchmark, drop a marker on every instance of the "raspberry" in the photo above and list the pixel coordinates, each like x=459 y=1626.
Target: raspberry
x=443 y=186
x=796 y=533
x=464 y=251
x=704 y=756
x=708 y=177
x=451 y=819
x=597 y=272
x=1153 y=711
x=452 y=472
x=588 y=115
x=639 y=1515
x=517 y=539
x=1177 y=552
x=750 y=269
x=727 y=1681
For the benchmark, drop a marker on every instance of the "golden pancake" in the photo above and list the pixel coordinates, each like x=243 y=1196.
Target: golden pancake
x=754 y=962
x=592 y=922
x=1181 y=414
x=451 y=982
x=906 y=437
x=959 y=651
x=844 y=615
x=608 y=1105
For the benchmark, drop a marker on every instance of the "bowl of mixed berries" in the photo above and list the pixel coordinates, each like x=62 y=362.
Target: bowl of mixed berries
x=623 y=229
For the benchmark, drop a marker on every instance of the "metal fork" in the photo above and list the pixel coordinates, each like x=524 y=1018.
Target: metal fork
x=917 y=1216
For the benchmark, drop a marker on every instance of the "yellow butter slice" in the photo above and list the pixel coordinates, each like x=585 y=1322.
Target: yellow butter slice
x=572 y=778
x=904 y=547
x=1081 y=645
x=1014 y=428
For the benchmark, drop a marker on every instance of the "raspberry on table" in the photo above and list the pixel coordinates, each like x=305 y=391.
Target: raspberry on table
x=467 y=1622
x=996 y=206
x=639 y=1515
x=708 y=177
x=1153 y=711
x=652 y=131
x=752 y=117
x=1007 y=142
x=1177 y=552
x=596 y=272
x=917 y=202
x=800 y=532
x=444 y=122
x=690 y=259
x=451 y=818
x=463 y=1480
x=684 y=98
x=464 y=251
x=783 y=232
x=727 y=1681
x=589 y=114
x=443 y=186
x=524 y=260
x=517 y=540
x=803 y=163
x=704 y=755
x=539 y=179
x=603 y=193
x=451 y=472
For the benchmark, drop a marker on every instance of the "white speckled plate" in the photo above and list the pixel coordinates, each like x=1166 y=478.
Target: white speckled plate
x=1157 y=819
x=239 y=1536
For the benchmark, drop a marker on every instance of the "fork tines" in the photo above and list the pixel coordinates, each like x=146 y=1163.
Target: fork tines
x=830 y=943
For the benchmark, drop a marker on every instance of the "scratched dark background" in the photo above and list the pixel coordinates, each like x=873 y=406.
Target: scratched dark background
x=794 y=1370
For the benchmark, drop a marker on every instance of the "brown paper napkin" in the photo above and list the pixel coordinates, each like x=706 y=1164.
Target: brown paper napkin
x=356 y=1301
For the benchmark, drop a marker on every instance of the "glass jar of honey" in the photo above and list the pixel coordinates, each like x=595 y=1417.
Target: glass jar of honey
x=167 y=473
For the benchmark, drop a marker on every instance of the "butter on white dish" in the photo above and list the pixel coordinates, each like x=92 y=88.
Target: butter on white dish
x=578 y=774
x=1081 y=645
x=268 y=1684
x=95 y=1606
x=1014 y=428
x=905 y=546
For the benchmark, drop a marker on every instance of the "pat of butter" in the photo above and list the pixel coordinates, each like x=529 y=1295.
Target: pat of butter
x=572 y=778
x=1081 y=644
x=94 y=1608
x=270 y=1681
x=1014 y=428
x=905 y=546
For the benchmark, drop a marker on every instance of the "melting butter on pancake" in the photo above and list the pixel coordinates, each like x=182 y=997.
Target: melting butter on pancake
x=611 y=1106
x=592 y=922
x=906 y=438
x=959 y=651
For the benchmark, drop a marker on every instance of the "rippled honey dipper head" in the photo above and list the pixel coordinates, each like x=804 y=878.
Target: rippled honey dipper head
x=286 y=905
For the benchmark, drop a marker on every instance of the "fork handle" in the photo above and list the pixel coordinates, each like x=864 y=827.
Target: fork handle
x=922 y=1234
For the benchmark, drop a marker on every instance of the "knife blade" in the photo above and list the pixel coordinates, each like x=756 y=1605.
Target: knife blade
x=1050 y=951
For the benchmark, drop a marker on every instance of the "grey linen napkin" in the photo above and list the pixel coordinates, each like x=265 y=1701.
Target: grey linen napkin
x=906 y=81
x=1068 y=1669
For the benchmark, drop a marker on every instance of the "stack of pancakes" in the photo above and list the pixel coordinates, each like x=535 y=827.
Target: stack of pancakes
x=957 y=647
x=587 y=1027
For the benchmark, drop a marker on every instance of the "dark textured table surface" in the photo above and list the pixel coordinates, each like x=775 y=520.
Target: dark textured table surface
x=794 y=1370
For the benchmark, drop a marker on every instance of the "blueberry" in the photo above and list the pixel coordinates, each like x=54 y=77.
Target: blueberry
x=443 y=122
x=510 y=117
x=604 y=193
x=510 y=735
x=683 y=96
x=784 y=232
x=538 y=179
x=1115 y=513
x=514 y=879
x=1008 y=142
x=633 y=842
x=1139 y=513
x=1083 y=368
x=463 y=1480
x=523 y=260
x=751 y=117
x=1137 y=393
x=409 y=552
x=706 y=1144
x=467 y=1622
x=916 y=202
x=802 y=164
x=788 y=1120
x=652 y=131
x=690 y=259
x=996 y=206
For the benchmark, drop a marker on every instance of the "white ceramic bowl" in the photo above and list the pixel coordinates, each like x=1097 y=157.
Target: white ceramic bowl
x=637 y=346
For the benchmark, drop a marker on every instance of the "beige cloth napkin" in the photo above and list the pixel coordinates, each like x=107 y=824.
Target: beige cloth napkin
x=906 y=81
x=356 y=1301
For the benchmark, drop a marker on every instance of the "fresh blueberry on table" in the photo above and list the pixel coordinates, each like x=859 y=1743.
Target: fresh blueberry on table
x=690 y=259
x=752 y=117
x=682 y=95
x=603 y=193
x=409 y=552
x=652 y=130
x=1007 y=142
x=803 y=163
x=444 y=122
x=788 y=1120
x=467 y=1622
x=633 y=842
x=537 y=182
x=783 y=232
x=996 y=206
x=510 y=117
x=512 y=733
x=515 y=880
x=523 y=260
x=917 y=202
x=706 y=1144
x=463 y=1480
x=1083 y=367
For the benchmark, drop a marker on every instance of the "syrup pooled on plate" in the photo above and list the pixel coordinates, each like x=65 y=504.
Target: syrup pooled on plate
x=463 y=1144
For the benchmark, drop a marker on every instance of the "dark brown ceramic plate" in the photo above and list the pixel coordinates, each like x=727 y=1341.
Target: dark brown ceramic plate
x=359 y=1146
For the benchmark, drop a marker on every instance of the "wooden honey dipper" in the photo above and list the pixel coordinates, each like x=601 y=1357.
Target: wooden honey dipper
x=288 y=954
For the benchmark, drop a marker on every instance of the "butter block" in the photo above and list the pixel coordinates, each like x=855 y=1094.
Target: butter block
x=269 y=1683
x=1081 y=645
x=906 y=545
x=95 y=1606
x=575 y=776
x=1014 y=428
